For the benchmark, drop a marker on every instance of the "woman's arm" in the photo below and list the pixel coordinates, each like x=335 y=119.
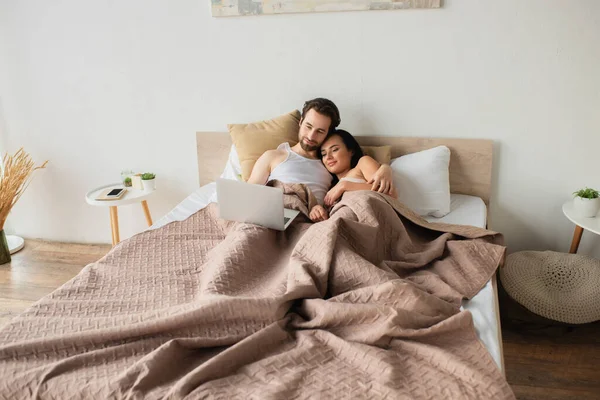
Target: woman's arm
x=343 y=186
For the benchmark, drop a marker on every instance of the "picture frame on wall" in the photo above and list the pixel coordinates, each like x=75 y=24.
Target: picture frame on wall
x=231 y=8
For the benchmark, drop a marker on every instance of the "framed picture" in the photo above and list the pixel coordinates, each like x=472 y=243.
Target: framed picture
x=229 y=8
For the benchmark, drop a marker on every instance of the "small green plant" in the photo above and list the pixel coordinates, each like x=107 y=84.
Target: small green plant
x=147 y=176
x=127 y=182
x=587 y=193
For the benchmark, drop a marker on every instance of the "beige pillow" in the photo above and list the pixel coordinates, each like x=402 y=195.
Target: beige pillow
x=381 y=154
x=253 y=139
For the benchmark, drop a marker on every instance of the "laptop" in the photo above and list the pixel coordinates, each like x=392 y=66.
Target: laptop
x=254 y=204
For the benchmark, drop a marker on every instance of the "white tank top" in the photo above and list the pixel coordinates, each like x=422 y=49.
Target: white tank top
x=298 y=169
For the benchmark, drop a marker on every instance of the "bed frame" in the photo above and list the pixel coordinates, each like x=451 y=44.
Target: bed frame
x=470 y=169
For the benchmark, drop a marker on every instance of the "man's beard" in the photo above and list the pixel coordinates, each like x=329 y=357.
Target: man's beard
x=307 y=147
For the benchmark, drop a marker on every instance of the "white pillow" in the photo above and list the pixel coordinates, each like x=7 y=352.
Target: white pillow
x=422 y=180
x=233 y=168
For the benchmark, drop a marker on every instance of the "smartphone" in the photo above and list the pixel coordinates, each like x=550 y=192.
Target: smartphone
x=115 y=193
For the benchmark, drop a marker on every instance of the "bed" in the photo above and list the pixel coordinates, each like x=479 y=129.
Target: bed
x=470 y=185
x=138 y=324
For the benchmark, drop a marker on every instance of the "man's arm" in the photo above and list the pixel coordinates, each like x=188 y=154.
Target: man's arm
x=368 y=167
x=379 y=176
x=262 y=168
x=350 y=186
x=382 y=181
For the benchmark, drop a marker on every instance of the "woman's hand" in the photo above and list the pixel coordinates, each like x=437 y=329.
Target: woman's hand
x=382 y=180
x=334 y=194
x=318 y=213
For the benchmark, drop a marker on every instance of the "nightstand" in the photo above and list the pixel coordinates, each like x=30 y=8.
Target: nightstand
x=131 y=196
x=591 y=224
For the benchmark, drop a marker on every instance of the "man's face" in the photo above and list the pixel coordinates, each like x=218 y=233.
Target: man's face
x=313 y=130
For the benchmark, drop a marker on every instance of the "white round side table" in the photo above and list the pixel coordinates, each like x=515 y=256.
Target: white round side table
x=131 y=196
x=590 y=224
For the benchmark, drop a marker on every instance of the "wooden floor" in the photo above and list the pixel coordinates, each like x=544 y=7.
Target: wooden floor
x=553 y=362
x=38 y=269
x=547 y=360
x=542 y=362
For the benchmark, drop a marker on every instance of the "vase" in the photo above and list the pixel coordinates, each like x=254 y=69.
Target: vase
x=149 y=185
x=4 y=250
x=587 y=208
x=126 y=178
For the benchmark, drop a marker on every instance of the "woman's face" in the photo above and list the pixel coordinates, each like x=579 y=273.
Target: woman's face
x=335 y=155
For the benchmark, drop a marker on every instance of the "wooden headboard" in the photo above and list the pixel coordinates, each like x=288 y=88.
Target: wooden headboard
x=470 y=160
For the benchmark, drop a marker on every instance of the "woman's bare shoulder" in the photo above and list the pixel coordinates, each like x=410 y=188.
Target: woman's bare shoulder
x=367 y=160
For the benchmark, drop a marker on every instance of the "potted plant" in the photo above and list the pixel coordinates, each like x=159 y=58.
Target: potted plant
x=587 y=202
x=148 y=180
x=15 y=176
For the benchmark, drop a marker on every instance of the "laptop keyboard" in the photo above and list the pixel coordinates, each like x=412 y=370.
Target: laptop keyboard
x=285 y=220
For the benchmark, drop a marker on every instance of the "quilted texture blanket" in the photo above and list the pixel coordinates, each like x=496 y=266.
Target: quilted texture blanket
x=363 y=305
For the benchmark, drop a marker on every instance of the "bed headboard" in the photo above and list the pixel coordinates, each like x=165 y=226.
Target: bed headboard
x=470 y=160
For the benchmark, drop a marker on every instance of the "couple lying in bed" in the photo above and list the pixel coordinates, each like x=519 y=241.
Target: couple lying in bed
x=328 y=161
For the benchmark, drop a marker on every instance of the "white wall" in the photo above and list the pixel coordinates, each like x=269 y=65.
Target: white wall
x=96 y=87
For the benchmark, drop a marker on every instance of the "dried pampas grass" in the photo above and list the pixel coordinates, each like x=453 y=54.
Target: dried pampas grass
x=14 y=179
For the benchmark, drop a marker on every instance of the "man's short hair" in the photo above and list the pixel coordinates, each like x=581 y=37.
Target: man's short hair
x=325 y=107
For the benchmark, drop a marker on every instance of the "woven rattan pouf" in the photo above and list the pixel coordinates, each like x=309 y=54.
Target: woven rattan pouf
x=558 y=286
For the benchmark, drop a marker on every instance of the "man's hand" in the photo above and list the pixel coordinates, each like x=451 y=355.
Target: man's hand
x=382 y=180
x=318 y=213
x=334 y=194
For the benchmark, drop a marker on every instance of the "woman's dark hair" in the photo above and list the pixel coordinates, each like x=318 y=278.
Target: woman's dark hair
x=352 y=146
x=325 y=107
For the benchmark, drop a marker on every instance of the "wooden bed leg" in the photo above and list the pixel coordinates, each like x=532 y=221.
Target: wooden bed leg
x=497 y=307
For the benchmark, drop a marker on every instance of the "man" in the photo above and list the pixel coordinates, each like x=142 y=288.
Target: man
x=301 y=164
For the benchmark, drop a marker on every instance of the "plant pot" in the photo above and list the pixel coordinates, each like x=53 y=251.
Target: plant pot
x=149 y=185
x=4 y=250
x=586 y=207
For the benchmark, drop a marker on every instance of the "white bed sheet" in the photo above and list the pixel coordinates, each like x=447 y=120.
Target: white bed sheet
x=464 y=210
x=471 y=210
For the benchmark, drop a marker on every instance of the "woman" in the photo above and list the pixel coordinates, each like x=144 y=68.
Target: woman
x=351 y=169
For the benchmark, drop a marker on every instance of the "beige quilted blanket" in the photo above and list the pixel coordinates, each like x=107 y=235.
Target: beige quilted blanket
x=363 y=305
